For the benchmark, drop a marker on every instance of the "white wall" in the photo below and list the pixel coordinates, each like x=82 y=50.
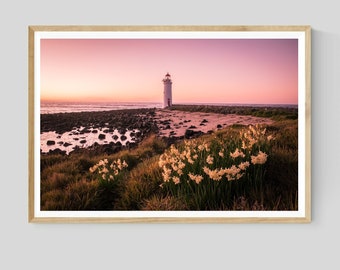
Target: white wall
x=150 y=246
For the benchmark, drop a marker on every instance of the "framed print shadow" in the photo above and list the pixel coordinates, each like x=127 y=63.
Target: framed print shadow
x=169 y=124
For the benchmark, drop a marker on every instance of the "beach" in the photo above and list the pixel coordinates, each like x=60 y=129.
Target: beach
x=66 y=132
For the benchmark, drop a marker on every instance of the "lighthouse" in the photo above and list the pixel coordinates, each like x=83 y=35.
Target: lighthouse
x=167 y=94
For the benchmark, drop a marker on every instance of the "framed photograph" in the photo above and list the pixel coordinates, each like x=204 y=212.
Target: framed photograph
x=170 y=124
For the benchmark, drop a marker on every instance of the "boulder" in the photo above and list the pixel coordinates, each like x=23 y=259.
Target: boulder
x=101 y=136
x=189 y=133
x=66 y=144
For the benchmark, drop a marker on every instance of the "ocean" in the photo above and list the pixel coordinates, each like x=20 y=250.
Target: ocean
x=67 y=107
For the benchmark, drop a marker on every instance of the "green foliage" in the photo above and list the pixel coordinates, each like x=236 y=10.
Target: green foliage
x=68 y=184
x=142 y=182
x=277 y=113
x=74 y=196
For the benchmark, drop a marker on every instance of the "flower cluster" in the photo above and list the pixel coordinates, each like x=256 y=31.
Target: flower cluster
x=215 y=160
x=261 y=158
x=254 y=135
x=108 y=172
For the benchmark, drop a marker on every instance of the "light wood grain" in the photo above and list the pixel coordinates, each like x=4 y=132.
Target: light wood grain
x=69 y=28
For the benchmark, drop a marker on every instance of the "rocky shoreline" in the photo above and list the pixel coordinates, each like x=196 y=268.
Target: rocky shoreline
x=116 y=119
x=112 y=131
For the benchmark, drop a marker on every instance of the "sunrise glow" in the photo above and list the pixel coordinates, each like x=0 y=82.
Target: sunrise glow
x=247 y=71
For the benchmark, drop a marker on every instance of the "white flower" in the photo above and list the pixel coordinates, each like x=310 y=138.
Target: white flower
x=237 y=153
x=181 y=164
x=243 y=165
x=232 y=172
x=125 y=165
x=210 y=160
x=261 y=158
x=176 y=180
x=215 y=175
x=196 y=178
x=221 y=154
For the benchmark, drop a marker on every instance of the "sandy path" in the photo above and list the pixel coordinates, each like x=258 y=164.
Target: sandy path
x=175 y=123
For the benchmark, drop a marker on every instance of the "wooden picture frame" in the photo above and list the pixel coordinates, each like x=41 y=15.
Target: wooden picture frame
x=164 y=207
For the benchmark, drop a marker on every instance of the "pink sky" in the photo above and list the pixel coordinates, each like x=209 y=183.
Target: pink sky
x=256 y=71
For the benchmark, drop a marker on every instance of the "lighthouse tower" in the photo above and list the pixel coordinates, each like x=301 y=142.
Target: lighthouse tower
x=167 y=94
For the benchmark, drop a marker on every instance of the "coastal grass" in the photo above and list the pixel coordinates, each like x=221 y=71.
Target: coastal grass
x=276 y=113
x=67 y=182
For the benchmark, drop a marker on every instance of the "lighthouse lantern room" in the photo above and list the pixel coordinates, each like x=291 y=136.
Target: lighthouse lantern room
x=167 y=94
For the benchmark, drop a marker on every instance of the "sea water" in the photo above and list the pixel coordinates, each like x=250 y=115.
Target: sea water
x=66 y=107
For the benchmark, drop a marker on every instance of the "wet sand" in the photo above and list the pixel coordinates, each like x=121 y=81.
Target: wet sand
x=176 y=123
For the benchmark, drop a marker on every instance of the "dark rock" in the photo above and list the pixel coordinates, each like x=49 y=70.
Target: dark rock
x=82 y=141
x=192 y=126
x=167 y=127
x=95 y=131
x=189 y=133
x=106 y=130
x=118 y=144
x=115 y=137
x=49 y=142
x=133 y=134
x=57 y=151
x=123 y=137
x=60 y=143
x=87 y=131
x=204 y=121
x=101 y=136
x=219 y=126
x=131 y=144
x=76 y=139
x=210 y=131
x=66 y=144
x=58 y=137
